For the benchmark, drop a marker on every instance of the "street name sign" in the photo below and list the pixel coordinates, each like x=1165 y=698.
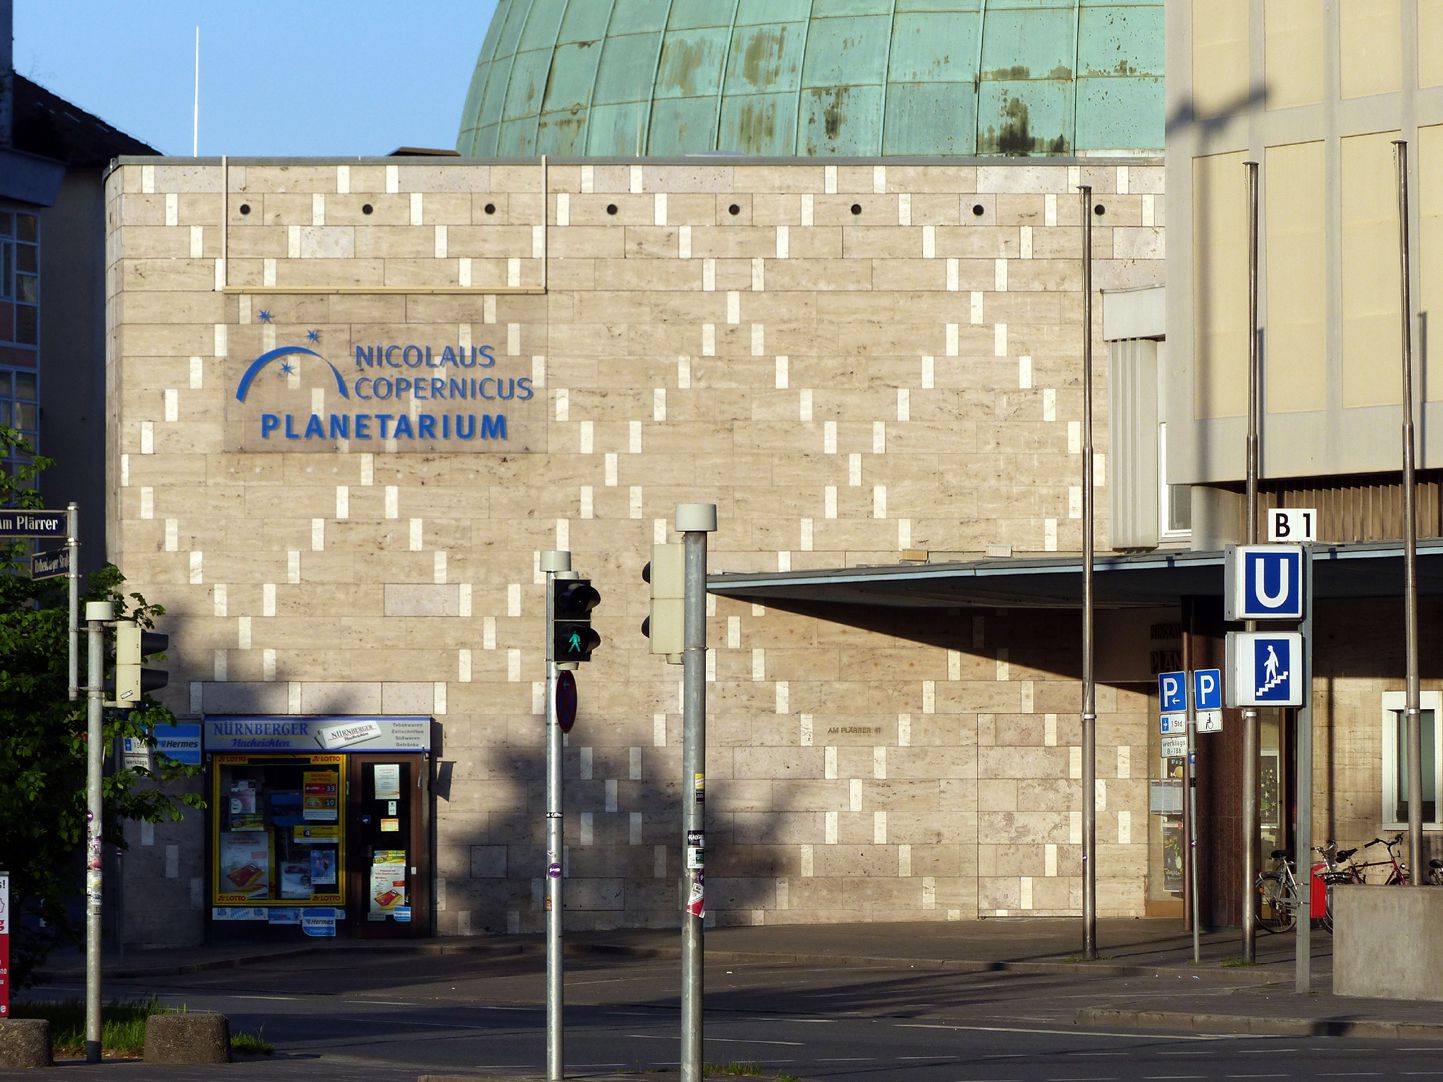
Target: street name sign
x=1265 y=668
x=50 y=564
x=19 y=522
x=1263 y=582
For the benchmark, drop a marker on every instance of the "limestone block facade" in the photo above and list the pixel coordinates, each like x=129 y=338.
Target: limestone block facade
x=858 y=363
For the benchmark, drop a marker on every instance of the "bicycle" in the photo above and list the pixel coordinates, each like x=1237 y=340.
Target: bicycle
x=1277 y=895
x=1397 y=870
x=1278 y=891
x=1334 y=872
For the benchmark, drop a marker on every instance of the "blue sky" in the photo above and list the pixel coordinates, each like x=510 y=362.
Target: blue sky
x=303 y=77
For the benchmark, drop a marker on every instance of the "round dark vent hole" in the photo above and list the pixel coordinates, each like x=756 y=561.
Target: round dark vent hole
x=856 y=208
x=734 y=210
x=977 y=210
x=611 y=208
x=1099 y=210
x=366 y=208
x=245 y=208
x=489 y=208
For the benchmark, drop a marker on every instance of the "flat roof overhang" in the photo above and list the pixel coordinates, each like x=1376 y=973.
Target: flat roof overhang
x=1144 y=580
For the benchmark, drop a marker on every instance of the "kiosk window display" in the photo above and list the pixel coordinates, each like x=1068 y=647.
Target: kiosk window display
x=321 y=823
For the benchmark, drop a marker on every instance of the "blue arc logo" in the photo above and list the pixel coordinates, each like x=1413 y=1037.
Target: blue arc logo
x=285 y=351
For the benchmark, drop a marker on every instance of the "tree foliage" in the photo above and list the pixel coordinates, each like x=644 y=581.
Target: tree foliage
x=43 y=739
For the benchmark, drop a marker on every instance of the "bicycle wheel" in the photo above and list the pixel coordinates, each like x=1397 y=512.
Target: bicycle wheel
x=1277 y=903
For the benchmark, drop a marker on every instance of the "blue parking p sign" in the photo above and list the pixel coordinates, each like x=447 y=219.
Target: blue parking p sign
x=1207 y=689
x=1263 y=582
x=1172 y=692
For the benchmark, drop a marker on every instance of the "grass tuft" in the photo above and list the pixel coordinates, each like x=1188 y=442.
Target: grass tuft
x=122 y=1026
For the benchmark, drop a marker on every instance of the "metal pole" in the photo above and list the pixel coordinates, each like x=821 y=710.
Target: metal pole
x=1089 y=692
x=72 y=553
x=1189 y=775
x=1410 y=543
x=1250 y=535
x=694 y=521
x=555 y=564
x=1303 y=770
x=97 y=614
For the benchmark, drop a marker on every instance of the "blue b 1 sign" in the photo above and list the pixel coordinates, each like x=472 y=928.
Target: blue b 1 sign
x=1263 y=582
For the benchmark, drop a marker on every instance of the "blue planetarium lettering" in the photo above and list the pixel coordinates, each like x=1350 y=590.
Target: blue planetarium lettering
x=463 y=399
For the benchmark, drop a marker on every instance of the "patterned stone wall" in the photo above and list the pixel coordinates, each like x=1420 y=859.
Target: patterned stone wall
x=854 y=362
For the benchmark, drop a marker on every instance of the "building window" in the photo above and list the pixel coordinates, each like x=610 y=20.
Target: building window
x=19 y=279
x=1395 y=759
x=20 y=410
x=1174 y=502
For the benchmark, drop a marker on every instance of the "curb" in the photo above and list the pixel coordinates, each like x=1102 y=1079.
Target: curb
x=1103 y=969
x=1372 y=1029
x=241 y=960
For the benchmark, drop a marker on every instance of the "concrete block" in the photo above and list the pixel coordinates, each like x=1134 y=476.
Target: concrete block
x=189 y=1037
x=24 y=1042
x=1387 y=943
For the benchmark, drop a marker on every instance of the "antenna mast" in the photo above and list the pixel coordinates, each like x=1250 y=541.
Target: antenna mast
x=195 y=110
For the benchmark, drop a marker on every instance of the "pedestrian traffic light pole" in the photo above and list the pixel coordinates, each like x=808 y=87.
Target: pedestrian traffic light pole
x=1089 y=690
x=97 y=615
x=694 y=521
x=554 y=563
x=1411 y=699
x=1250 y=536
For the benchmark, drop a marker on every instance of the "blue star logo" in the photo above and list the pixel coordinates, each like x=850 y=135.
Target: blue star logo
x=313 y=336
x=287 y=368
x=265 y=315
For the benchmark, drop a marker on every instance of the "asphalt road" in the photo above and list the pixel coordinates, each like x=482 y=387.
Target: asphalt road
x=393 y=1017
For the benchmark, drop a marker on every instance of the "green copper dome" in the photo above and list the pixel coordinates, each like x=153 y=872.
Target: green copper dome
x=817 y=77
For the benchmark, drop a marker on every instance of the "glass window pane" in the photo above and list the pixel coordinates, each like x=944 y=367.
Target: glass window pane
x=24 y=386
x=5 y=414
x=27 y=288
x=26 y=256
x=1430 y=766
x=7 y=224
x=27 y=415
x=25 y=226
x=25 y=325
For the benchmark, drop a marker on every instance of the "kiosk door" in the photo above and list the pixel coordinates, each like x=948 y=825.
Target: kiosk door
x=390 y=869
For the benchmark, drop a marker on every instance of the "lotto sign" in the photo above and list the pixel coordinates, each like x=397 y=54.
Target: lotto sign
x=1265 y=668
x=1263 y=582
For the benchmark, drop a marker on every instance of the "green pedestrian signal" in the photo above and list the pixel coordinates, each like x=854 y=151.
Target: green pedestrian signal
x=573 y=638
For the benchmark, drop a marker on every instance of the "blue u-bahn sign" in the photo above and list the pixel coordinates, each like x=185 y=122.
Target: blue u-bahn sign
x=1263 y=582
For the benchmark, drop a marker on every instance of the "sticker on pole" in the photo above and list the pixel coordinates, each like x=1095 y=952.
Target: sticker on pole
x=1265 y=668
x=696 y=898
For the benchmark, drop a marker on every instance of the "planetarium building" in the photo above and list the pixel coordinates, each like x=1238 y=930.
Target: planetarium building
x=818 y=263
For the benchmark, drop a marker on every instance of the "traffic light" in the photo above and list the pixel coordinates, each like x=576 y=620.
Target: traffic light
x=573 y=638
x=133 y=645
x=666 y=625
